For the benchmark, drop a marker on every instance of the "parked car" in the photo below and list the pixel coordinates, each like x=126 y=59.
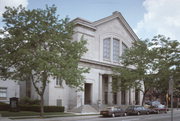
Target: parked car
x=137 y=110
x=158 y=107
x=113 y=111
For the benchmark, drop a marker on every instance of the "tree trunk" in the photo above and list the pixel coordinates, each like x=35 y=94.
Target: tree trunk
x=42 y=106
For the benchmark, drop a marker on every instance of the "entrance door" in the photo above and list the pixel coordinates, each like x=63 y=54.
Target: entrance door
x=87 y=93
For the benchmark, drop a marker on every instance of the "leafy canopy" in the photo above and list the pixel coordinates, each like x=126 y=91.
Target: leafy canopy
x=36 y=45
x=150 y=63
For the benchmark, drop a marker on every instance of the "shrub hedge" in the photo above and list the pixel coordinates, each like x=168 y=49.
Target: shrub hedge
x=4 y=106
x=35 y=108
x=29 y=101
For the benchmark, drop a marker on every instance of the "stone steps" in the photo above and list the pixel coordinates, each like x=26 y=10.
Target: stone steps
x=84 y=109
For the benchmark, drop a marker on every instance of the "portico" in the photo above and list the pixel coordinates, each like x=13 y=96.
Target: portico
x=108 y=97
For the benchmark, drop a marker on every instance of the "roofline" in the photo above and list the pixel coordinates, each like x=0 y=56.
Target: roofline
x=116 y=14
x=83 y=22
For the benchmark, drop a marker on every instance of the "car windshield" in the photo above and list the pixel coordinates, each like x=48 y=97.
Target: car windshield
x=110 y=108
x=130 y=108
x=161 y=106
x=154 y=103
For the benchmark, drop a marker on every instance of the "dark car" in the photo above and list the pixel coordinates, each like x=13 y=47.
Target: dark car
x=137 y=110
x=113 y=111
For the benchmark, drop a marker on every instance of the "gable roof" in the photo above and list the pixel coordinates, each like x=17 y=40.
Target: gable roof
x=116 y=14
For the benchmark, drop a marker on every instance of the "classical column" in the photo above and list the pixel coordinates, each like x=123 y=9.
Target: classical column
x=119 y=97
x=100 y=90
x=110 y=96
x=140 y=97
x=133 y=96
x=127 y=97
x=130 y=97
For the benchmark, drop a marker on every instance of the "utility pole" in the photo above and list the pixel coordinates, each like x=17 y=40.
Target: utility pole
x=171 y=93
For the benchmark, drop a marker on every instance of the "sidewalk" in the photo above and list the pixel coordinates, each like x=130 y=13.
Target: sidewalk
x=31 y=118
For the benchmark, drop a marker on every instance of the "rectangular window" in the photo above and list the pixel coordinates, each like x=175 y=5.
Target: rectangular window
x=124 y=47
x=114 y=98
x=106 y=97
x=123 y=97
x=106 y=48
x=3 y=93
x=115 y=50
x=58 y=81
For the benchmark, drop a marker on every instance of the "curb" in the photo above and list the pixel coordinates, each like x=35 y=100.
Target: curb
x=51 y=116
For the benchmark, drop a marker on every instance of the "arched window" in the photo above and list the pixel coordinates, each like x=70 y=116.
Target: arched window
x=111 y=49
x=107 y=49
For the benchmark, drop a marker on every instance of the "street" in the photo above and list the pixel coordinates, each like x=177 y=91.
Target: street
x=151 y=117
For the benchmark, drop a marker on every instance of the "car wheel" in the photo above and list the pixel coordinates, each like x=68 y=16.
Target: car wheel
x=158 y=112
x=147 y=113
x=113 y=115
x=125 y=114
x=138 y=113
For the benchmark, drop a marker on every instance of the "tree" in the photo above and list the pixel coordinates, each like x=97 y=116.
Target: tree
x=167 y=62
x=37 y=45
x=135 y=71
x=147 y=63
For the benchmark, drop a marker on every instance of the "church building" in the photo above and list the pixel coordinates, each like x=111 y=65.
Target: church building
x=106 y=40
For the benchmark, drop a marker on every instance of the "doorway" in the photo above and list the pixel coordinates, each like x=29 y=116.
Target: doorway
x=87 y=93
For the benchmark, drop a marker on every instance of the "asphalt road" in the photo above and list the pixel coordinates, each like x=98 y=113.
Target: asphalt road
x=151 y=117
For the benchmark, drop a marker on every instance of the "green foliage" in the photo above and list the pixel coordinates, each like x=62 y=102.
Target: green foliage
x=29 y=101
x=4 y=106
x=151 y=63
x=37 y=45
x=36 y=108
x=167 y=61
x=136 y=63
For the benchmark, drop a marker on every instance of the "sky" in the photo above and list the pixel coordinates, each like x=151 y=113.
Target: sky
x=146 y=17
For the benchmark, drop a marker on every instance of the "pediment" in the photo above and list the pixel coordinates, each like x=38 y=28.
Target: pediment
x=117 y=15
x=95 y=24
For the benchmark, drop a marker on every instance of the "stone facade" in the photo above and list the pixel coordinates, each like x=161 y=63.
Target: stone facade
x=98 y=87
x=8 y=89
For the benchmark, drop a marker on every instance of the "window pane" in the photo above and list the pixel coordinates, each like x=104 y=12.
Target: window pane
x=3 y=92
x=124 y=46
x=58 y=81
x=106 y=48
x=115 y=50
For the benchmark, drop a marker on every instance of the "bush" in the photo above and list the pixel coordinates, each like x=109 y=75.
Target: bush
x=29 y=101
x=4 y=106
x=36 y=108
x=53 y=109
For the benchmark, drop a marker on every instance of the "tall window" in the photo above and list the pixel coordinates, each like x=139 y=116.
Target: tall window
x=3 y=93
x=123 y=97
x=106 y=48
x=114 y=98
x=58 y=81
x=124 y=46
x=115 y=50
